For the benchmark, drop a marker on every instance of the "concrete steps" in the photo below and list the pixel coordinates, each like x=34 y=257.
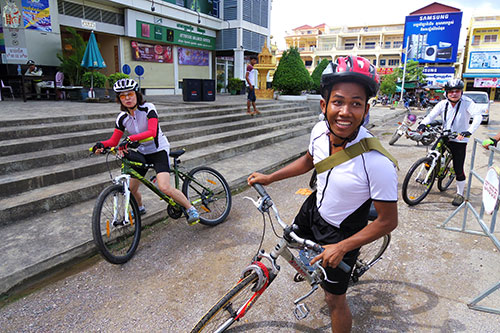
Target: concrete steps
x=52 y=171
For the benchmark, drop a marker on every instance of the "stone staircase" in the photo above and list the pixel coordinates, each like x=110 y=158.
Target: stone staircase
x=45 y=164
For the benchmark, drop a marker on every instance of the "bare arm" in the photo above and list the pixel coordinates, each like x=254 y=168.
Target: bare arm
x=386 y=221
x=298 y=167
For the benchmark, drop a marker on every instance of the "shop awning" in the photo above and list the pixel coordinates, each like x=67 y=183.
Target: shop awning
x=472 y=75
x=409 y=85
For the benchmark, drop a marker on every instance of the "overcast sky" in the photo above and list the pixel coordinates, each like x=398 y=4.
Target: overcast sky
x=289 y=14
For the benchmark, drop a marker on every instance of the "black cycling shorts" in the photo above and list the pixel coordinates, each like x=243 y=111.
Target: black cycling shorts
x=159 y=159
x=312 y=226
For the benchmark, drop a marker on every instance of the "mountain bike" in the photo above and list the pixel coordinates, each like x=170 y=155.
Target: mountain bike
x=257 y=276
x=116 y=221
x=437 y=164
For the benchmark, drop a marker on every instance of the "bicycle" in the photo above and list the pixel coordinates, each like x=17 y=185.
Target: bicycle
x=257 y=276
x=437 y=164
x=116 y=221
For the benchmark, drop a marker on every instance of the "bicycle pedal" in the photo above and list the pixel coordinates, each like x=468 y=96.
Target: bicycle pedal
x=301 y=311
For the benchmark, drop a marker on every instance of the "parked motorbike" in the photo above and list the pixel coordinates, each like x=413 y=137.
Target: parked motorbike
x=426 y=138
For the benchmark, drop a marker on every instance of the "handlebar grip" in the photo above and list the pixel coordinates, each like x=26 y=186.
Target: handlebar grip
x=260 y=189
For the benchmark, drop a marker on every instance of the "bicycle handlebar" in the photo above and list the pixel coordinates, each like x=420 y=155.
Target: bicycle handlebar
x=266 y=203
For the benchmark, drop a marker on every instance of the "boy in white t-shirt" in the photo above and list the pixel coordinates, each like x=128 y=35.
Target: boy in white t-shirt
x=251 y=78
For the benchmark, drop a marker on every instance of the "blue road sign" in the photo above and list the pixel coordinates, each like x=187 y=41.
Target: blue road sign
x=139 y=70
x=126 y=69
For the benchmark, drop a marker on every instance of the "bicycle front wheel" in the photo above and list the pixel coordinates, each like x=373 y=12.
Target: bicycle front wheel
x=418 y=181
x=209 y=192
x=394 y=138
x=116 y=238
x=223 y=313
x=445 y=180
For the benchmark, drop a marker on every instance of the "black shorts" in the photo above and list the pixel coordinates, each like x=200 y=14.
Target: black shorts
x=159 y=159
x=251 y=95
x=312 y=226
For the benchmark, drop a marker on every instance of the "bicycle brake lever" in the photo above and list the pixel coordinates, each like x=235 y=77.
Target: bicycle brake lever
x=256 y=203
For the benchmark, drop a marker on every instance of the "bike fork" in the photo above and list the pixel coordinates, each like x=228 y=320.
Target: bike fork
x=123 y=180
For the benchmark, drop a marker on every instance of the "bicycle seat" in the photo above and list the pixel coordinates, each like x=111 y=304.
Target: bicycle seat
x=177 y=153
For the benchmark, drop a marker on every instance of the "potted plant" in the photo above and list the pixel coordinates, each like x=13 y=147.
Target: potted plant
x=97 y=80
x=291 y=76
x=234 y=85
x=220 y=85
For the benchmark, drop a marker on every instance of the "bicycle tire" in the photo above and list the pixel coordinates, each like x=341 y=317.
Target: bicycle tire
x=117 y=244
x=368 y=255
x=210 y=194
x=395 y=137
x=407 y=190
x=225 y=309
x=448 y=175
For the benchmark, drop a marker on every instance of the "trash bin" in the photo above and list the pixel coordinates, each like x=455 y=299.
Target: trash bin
x=208 y=90
x=191 y=90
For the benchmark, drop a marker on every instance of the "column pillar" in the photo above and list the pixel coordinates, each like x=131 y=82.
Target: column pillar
x=239 y=64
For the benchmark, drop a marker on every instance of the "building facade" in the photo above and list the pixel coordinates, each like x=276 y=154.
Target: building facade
x=170 y=39
x=482 y=55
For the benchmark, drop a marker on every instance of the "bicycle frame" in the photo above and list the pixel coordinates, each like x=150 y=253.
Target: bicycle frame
x=436 y=152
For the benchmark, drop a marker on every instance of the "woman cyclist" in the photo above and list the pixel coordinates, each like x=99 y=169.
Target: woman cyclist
x=140 y=120
x=456 y=110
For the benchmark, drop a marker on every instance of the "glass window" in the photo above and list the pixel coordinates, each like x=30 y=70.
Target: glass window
x=393 y=62
x=476 y=39
x=382 y=62
x=349 y=46
x=387 y=45
x=397 y=43
x=370 y=45
x=490 y=38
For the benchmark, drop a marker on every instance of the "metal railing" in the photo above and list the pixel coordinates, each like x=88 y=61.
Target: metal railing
x=486 y=231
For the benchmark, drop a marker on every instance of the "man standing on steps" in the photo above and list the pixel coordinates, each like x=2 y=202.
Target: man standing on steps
x=251 y=78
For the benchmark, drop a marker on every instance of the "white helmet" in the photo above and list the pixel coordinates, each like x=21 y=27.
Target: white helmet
x=123 y=85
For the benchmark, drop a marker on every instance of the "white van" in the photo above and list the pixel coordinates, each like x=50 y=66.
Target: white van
x=483 y=101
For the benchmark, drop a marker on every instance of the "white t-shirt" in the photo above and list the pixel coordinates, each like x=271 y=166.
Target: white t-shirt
x=460 y=123
x=343 y=189
x=252 y=73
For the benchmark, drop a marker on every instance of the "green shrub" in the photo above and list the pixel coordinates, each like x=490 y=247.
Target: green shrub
x=291 y=76
x=99 y=79
x=234 y=84
x=112 y=78
x=71 y=60
x=316 y=76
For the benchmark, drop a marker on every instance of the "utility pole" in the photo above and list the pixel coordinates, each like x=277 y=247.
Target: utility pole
x=404 y=70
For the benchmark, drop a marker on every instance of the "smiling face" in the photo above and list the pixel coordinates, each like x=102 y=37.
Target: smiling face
x=346 y=109
x=454 y=95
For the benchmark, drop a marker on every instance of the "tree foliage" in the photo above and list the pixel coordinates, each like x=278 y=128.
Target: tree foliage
x=96 y=78
x=71 y=60
x=414 y=72
x=316 y=75
x=291 y=76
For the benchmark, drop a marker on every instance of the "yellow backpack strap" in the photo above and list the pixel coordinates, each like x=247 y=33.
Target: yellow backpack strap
x=350 y=152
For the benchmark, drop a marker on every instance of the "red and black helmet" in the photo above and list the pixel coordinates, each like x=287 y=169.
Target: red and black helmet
x=350 y=69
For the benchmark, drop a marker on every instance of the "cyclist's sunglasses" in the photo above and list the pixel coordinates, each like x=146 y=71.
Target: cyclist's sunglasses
x=130 y=94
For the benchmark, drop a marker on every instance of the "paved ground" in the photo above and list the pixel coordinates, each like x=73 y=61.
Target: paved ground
x=423 y=284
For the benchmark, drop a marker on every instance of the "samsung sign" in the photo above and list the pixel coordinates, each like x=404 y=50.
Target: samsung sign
x=432 y=38
x=438 y=75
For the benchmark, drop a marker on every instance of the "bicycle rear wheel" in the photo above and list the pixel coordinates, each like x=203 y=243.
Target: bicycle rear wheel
x=368 y=255
x=448 y=174
x=418 y=181
x=209 y=192
x=116 y=239
x=223 y=313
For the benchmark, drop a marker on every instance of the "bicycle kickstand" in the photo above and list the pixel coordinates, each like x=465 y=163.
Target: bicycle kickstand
x=301 y=310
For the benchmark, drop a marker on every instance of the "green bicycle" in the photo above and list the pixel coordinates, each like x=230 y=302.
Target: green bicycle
x=437 y=164
x=116 y=221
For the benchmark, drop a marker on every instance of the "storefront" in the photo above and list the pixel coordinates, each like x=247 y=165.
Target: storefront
x=489 y=83
x=225 y=70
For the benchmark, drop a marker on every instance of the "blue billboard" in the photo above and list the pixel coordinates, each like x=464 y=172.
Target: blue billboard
x=432 y=38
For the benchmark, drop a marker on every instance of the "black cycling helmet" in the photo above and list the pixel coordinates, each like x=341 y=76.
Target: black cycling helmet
x=454 y=84
x=124 y=85
x=350 y=69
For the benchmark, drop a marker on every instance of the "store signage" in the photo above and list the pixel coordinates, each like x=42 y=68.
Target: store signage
x=438 y=75
x=487 y=82
x=151 y=52
x=183 y=37
x=36 y=15
x=16 y=53
x=89 y=24
x=432 y=38
x=484 y=60
x=490 y=190
x=11 y=15
x=193 y=57
x=385 y=70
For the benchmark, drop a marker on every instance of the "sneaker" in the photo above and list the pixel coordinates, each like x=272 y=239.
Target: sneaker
x=192 y=216
x=458 y=200
x=142 y=210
